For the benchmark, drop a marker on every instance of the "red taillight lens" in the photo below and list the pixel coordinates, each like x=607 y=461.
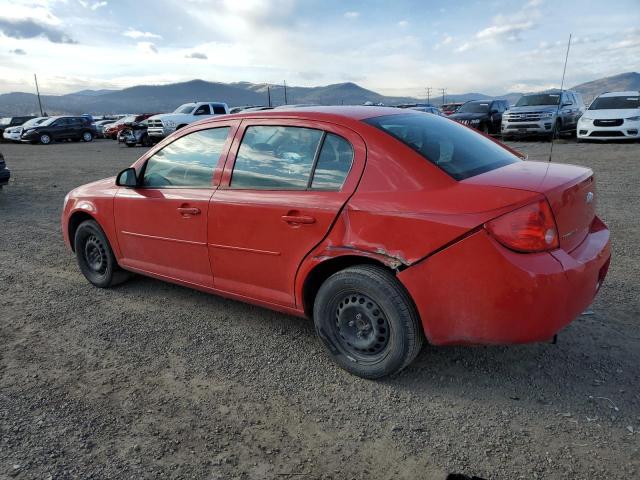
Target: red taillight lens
x=531 y=228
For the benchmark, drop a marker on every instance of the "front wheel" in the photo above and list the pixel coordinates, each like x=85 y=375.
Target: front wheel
x=367 y=321
x=45 y=139
x=95 y=258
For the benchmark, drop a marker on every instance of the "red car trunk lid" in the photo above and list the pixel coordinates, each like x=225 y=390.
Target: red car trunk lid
x=569 y=189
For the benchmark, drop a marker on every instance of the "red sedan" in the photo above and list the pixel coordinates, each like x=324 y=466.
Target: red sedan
x=111 y=131
x=385 y=226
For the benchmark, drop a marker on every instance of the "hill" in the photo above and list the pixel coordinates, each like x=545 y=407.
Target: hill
x=622 y=82
x=164 y=98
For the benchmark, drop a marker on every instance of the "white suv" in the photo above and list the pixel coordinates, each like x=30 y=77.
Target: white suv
x=165 y=124
x=612 y=116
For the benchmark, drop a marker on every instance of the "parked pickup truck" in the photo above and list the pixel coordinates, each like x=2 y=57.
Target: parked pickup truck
x=165 y=124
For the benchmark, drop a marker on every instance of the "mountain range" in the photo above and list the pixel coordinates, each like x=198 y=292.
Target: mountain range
x=164 y=98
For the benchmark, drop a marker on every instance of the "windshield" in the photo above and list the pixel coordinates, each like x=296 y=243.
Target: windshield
x=611 y=103
x=49 y=121
x=538 y=99
x=458 y=150
x=474 y=107
x=186 y=108
x=33 y=122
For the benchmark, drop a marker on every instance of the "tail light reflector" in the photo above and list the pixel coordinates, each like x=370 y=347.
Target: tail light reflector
x=528 y=229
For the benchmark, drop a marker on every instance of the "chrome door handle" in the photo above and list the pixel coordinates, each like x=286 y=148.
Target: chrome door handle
x=301 y=219
x=188 y=210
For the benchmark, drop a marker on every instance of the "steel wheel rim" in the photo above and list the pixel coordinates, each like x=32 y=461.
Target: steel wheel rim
x=45 y=139
x=95 y=255
x=361 y=327
x=86 y=136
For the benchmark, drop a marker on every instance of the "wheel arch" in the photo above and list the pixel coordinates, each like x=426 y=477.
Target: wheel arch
x=324 y=269
x=75 y=220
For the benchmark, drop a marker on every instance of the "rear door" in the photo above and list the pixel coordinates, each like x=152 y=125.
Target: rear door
x=162 y=225
x=283 y=186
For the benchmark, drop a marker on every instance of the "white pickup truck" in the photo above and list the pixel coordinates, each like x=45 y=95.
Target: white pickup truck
x=164 y=124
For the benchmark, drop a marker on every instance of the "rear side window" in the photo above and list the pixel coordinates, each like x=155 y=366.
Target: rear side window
x=459 y=151
x=219 y=110
x=187 y=162
x=334 y=163
x=275 y=157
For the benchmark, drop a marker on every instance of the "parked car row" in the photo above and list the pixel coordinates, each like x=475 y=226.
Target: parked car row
x=611 y=116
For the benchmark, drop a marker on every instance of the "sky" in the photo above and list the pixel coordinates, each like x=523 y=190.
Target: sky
x=397 y=47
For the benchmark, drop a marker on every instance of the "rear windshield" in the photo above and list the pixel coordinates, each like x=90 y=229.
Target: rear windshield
x=606 y=103
x=456 y=149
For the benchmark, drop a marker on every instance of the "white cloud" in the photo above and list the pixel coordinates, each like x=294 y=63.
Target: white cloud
x=510 y=32
x=351 y=14
x=136 y=34
x=197 y=55
x=403 y=23
x=147 y=47
x=98 y=5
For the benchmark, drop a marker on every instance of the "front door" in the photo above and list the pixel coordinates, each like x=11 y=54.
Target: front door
x=162 y=224
x=60 y=129
x=282 y=187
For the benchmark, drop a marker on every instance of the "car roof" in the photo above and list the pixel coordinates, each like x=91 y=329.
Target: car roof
x=630 y=93
x=355 y=112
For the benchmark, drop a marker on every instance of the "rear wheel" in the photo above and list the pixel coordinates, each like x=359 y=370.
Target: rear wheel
x=95 y=257
x=367 y=321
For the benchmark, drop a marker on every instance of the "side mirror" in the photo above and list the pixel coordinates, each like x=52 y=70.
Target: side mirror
x=127 y=178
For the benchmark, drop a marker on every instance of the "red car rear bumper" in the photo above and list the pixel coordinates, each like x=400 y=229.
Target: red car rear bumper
x=478 y=292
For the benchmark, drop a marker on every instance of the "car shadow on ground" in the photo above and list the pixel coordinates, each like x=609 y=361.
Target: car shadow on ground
x=583 y=366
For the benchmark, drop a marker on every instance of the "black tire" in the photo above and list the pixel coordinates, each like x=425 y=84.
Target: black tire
x=45 y=139
x=87 y=136
x=484 y=128
x=146 y=141
x=130 y=145
x=95 y=258
x=367 y=321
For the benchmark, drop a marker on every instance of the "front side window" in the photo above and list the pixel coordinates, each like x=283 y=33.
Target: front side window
x=459 y=151
x=275 y=157
x=187 y=162
x=219 y=110
x=203 y=110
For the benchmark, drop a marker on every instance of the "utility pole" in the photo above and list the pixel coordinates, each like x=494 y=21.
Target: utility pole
x=38 y=92
x=444 y=91
x=285 y=91
x=268 y=96
x=428 y=92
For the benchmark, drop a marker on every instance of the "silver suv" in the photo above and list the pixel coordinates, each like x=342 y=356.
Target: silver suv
x=538 y=114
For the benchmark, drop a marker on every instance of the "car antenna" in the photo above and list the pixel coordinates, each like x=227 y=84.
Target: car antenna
x=566 y=58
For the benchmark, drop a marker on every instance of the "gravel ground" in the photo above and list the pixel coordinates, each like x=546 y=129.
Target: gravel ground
x=152 y=380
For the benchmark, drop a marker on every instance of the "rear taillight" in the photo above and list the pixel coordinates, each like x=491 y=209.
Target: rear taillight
x=531 y=228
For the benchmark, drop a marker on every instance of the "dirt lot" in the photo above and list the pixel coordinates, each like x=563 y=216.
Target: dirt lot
x=152 y=380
